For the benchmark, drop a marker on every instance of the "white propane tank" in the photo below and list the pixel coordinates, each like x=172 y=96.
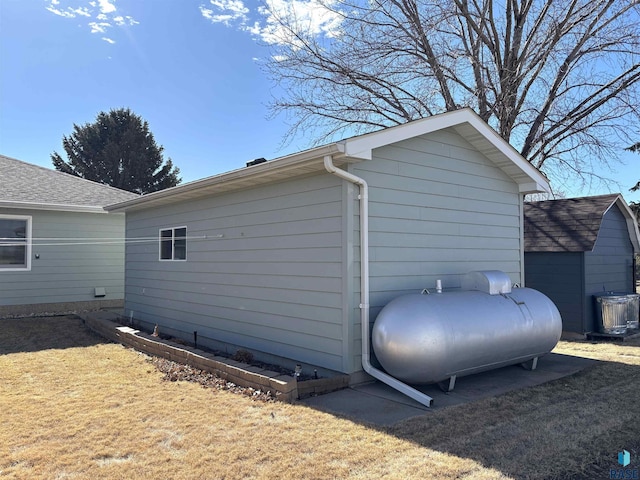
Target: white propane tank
x=429 y=338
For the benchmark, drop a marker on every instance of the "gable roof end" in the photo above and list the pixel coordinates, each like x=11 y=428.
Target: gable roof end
x=572 y=224
x=352 y=150
x=469 y=126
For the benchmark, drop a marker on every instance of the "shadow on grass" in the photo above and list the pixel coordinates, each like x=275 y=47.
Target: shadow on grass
x=32 y=334
x=569 y=426
x=630 y=341
x=572 y=427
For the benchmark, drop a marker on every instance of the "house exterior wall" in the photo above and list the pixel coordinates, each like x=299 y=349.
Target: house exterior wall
x=437 y=209
x=279 y=269
x=65 y=275
x=609 y=267
x=560 y=276
x=264 y=271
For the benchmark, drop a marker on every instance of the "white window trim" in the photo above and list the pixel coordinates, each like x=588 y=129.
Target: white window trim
x=173 y=251
x=26 y=268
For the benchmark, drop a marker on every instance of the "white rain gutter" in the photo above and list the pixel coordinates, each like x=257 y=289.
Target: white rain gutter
x=364 y=287
x=58 y=207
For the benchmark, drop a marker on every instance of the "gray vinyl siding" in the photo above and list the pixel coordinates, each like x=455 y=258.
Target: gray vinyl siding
x=571 y=279
x=609 y=267
x=437 y=210
x=276 y=268
x=560 y=276
x=264 y=270
x=68 y=269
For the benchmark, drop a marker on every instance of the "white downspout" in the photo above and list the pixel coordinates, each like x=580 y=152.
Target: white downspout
x=364 y=286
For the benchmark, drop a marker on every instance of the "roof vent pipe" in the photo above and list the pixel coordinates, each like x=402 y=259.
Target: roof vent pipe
x=364 y=287
x=257 y=161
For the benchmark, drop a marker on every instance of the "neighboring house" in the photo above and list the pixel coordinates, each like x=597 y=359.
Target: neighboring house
x=268 y=257
x=59 y=249
x=576 y=248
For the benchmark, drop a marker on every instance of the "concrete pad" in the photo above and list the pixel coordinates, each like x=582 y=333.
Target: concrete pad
x=380 y=404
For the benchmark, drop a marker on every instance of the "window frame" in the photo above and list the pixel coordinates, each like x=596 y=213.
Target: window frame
x=28 y=243
x=173 y=240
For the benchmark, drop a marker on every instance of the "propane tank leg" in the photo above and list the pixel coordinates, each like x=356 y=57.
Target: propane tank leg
x=448 y=386
x=531 y=364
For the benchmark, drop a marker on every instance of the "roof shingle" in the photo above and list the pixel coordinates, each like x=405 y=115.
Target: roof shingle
x=564 y=225
x=27 y=183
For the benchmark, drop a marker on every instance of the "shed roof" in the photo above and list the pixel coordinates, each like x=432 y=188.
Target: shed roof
x=24 y=185
x=572 y=224
x=356 y=149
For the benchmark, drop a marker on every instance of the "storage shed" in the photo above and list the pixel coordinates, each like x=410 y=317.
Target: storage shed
x=269 y=257
x=59 y=249
x=576 y=248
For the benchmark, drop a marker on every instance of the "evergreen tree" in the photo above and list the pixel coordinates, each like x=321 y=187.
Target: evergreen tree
x=118 y=150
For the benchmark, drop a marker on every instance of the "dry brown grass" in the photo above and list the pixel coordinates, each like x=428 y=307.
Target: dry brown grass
x=74 y=406
x=568 y=428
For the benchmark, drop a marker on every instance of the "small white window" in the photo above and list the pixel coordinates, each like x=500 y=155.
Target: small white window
x=15 y=243
x=173 y=243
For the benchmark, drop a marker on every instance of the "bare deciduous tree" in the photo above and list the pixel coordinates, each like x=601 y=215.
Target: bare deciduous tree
x=636 y=187
x=556 y=78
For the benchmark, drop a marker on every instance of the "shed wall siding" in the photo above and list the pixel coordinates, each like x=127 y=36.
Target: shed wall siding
x=559 y=275
x=263 y=271
x=609 y=267
x=437 y=210
x=71 y=263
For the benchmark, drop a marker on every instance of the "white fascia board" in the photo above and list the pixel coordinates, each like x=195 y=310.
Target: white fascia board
x=362 y=147
x=356 y=148
x=535 y=175
x=534 y=187
x=632 y=224
x=289 y=162
x=52 y=207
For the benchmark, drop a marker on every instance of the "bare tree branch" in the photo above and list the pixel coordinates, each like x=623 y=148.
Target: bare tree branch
x=559 y=79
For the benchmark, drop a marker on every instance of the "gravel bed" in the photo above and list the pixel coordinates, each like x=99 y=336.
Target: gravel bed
x=174 y=372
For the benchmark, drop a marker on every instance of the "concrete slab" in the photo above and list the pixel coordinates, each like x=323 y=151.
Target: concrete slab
x=380 y=404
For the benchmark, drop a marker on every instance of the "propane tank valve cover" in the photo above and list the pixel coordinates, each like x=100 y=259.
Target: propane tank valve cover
x=493 y=282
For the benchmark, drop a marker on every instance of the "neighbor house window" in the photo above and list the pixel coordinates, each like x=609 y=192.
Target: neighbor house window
x=15 y=243
x=173 y=243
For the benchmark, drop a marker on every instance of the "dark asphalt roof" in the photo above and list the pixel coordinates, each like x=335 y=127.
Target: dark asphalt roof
x=565 y=225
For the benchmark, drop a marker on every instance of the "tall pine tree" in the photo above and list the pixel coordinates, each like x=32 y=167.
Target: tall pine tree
x=118 y=150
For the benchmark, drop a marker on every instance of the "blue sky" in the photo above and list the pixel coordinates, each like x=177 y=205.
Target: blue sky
x=188 y=67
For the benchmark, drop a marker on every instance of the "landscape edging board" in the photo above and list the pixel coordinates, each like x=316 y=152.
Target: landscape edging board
x=284 y=387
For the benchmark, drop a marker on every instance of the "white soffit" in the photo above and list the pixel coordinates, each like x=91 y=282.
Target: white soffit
x=465 y=122
x=473 y=129
x=306 y=162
